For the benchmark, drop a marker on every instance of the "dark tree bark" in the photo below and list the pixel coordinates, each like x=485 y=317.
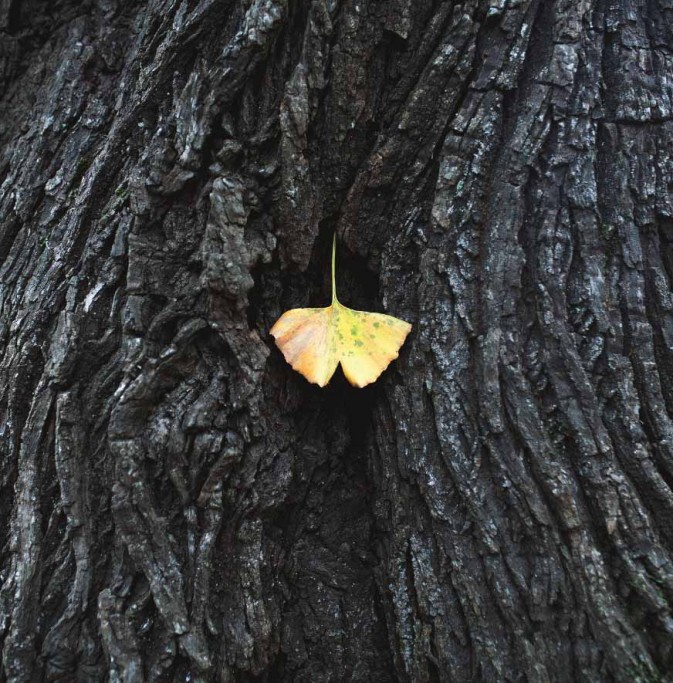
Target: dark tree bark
x=176 y=504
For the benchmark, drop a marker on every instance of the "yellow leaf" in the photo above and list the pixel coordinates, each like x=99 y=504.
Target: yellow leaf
x=315 y=340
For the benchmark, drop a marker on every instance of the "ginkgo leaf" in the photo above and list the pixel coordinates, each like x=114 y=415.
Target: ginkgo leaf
x=315 y=340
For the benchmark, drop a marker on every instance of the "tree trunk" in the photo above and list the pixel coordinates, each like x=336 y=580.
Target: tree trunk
x=176 y=503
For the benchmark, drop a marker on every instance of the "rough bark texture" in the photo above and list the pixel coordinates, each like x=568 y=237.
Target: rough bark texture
x=176 y=504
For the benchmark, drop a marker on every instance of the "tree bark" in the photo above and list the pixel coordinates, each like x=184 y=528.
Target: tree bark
x=176 y=504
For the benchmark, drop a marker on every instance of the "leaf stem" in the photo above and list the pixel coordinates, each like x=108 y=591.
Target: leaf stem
x=334 y=294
